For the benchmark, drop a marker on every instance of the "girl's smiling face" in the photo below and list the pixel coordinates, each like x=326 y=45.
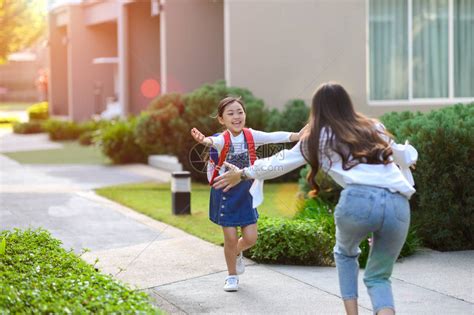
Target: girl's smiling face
x=233 y=118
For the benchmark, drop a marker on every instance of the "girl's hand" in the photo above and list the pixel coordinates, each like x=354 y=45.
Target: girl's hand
x=229 y=179
x=199 y=137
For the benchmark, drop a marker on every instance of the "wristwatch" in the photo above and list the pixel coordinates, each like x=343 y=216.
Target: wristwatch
x=243 y=176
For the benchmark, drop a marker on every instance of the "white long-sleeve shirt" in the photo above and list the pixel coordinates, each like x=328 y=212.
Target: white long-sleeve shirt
x=238 y=142
x=396 y=179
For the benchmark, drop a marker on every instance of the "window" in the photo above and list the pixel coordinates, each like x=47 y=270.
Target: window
x=421 y=50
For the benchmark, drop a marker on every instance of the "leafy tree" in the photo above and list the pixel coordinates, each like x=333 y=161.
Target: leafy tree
x=22 y=22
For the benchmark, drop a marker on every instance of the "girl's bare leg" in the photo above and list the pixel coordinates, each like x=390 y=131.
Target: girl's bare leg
x=248 y=239
x=230 y=248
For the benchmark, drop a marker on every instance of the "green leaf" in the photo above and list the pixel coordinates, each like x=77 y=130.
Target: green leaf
x=3 y=246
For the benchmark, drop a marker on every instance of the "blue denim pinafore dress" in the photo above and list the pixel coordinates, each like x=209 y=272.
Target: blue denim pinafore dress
x=233 y=208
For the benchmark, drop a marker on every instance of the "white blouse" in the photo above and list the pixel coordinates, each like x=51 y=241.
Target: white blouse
x=396 y=179
x=238 y=143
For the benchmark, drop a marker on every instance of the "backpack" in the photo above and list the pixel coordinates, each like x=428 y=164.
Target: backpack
x=217 y=160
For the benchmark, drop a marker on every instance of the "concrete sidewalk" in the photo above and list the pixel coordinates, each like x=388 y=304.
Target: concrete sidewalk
x=185 y=274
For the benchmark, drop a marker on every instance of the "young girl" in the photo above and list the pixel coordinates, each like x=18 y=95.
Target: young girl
x=360 y=156
x=233 y=208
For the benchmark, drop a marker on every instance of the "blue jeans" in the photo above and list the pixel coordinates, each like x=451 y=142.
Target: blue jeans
x=362 y=210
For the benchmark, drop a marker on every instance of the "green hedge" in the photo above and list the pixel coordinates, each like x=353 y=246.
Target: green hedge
x=292 y=241
x=37 y=276
x=292 y=118
x=117 y=141
x=154 y=132
x=62 y=130
x=329 y=190
x=38 y=111
x=443 y=207
x=34 y=126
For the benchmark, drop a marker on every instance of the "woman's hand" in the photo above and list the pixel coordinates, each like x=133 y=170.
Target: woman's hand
x=229 y=179
x=303 y=131
x=297 y=136
x=199 y=137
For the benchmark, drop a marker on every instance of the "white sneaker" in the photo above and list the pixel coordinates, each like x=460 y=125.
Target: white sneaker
x=240 y=265
x=231 y=284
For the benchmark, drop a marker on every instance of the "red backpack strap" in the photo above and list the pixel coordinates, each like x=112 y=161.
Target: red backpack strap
x=250 y=145
x=222 y=156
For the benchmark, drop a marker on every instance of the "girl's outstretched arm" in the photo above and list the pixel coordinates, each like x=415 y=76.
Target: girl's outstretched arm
x=199 y=137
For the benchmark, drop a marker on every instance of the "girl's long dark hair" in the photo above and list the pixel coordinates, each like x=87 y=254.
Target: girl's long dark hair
x=351 y=135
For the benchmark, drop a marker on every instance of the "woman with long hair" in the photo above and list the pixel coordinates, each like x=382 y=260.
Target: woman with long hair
x=360 y=156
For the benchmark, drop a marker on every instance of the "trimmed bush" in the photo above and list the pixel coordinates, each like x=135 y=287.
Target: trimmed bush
x=30 y=127
x=443 y=207
x=294 y=116
x=154 y=132
x=174 y=100
x=38 y=111
x=37 y=276
x=89 y=131
x=329 y=192
x=288 y=241
x=87 y=138
x=117 y=141
x=62 y=130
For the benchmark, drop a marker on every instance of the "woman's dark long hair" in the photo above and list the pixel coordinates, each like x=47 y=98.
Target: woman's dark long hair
x=352 y=135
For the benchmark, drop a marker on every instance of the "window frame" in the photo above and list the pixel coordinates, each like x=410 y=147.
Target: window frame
x=451 y=99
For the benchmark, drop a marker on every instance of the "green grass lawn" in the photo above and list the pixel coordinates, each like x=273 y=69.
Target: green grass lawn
x=71 y=153
x=154 y=200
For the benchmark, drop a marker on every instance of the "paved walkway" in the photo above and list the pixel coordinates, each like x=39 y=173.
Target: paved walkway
x=185 y=274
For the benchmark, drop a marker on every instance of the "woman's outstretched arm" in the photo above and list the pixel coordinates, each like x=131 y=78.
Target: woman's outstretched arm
x=274 y=166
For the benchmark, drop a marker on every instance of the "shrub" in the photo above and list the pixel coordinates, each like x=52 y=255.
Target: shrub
x=154 y=132
x=293 y=117
x=92 y=125
x=37 y=276
x=117 y=141
x=38 y=111
x=443 y=207
x=174 y=100
x=317 y=209
x=329 y=190
x=292 y=241
x=273 y=120
x=87 y=138
x=30 y=127
x=89 y=131
x=62 y=130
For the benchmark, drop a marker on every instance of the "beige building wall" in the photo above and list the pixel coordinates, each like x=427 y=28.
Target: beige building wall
x=194 y=43
x=85 y=43
x=143 y=52
x=285 y=49
x=58 y=86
